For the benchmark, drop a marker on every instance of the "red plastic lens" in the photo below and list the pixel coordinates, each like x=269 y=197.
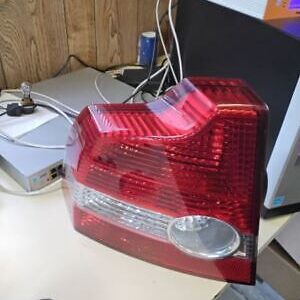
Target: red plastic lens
x=177 y=182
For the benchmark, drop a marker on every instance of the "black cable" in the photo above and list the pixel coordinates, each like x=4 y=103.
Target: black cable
x=78 y=59
x=64 y=66
x=18 y=110
x=5 y=112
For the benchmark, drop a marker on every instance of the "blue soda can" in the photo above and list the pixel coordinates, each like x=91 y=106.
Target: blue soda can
x=147 y=48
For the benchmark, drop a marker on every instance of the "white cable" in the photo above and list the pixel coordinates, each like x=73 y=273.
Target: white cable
x=99 y=91
x=137 y=88
x=162 y=81
x=175 y=39
x=39 y=146
x=58 y=110
x=163 y=41
x=68 y=108
x=54 y=186
x=58 y=103
x=49 y=189
x=159 y=71
x=151 y=77
x=31 y=145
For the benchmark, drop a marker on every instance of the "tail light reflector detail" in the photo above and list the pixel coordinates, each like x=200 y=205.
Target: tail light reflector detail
x=177 y=182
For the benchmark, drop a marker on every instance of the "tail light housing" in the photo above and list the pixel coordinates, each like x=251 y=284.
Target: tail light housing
x=177 y=182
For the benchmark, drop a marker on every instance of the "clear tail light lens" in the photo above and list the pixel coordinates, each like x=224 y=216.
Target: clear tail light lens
x=177 y=182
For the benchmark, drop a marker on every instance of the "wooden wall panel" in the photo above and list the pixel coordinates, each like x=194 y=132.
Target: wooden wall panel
x=36 y=36
x=128 y=30
x=107 y=37
x=147 y=18
x=116 y=31
x=80 y=20
x=3 y=84
x=146 y=15
x=33 y=39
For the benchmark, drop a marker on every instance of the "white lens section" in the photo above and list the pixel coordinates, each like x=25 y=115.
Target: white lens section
x=204 y=237
x=199 y=236
x=116 y=211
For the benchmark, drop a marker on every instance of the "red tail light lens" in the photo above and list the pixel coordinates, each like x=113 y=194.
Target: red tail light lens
x=177 y=182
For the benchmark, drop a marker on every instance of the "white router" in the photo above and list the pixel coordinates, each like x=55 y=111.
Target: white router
x=34 y=168
x=283 y=195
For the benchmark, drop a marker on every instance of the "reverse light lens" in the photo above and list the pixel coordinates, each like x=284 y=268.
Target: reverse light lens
x=177 y=182
x=204 y=237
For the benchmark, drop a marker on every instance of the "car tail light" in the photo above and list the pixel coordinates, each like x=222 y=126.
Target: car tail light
x=177 y=182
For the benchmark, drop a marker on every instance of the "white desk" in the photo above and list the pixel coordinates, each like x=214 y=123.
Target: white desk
x=41 y=256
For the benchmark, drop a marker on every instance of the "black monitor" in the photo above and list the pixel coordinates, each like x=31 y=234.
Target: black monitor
x=217 y=41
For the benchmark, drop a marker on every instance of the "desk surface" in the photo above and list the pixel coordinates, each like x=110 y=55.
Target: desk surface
x=41 y=256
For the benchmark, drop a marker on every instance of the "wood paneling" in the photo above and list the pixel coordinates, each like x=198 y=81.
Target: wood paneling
x=146 y=16
x=33 y=39
x=3 y=84
x=36 y=36
x=80 y=20
x=116 y=31
x=128 y=31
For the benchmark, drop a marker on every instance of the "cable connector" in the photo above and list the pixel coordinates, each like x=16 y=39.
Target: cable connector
x=14 y=110
x=26 y=105
x=17 y=110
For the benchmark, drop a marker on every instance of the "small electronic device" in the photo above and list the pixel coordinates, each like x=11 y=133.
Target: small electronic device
x=283 y=194
x=34 y=168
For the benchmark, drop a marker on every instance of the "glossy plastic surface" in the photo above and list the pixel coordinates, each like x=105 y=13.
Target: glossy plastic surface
x=199 y=150
x=294 y=4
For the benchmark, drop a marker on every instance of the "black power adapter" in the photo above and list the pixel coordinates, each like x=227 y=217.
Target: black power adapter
x=17 y=110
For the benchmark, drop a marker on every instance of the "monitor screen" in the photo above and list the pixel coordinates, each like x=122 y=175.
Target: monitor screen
x=294 y=4
x=216 y=41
